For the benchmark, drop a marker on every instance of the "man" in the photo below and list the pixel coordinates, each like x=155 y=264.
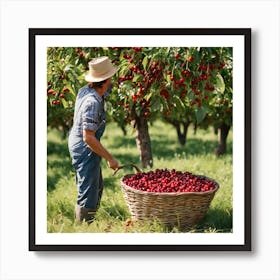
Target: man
x=84 y=143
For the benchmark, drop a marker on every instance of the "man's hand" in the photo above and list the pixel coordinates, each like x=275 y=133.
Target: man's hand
x=113 y=163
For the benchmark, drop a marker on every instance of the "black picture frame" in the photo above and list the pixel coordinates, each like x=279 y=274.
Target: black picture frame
x=243 y=32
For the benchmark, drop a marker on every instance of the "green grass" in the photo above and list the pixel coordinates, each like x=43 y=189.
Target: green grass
x=196 y=156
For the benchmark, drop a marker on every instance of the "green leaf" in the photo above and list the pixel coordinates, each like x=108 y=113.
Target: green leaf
x=144 y=62
x=136 y=78
x=168 y=79
x=220 y=84
x=200 y=114
x=68 y=67
x=64 y=103
x=148 y=95
x=191 y=96
x=124 y=68
x=179 y=101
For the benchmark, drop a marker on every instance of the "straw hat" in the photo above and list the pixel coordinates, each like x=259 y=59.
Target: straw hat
x=100 y=69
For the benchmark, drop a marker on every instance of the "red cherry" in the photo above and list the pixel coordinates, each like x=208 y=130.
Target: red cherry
x=56 y=102
x=164 y=93
x=169 y=181
x=128 y=223
x=51 y=92
x=190 y=58
x=134 y=98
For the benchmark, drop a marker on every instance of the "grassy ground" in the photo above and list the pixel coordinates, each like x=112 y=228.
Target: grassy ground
x=197 y=157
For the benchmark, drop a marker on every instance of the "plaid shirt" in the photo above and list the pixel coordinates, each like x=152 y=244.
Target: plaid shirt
x=89 y=114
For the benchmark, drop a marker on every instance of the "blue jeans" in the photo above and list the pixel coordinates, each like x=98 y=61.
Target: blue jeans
x=88 y=171
x=89 y=114
x=89 y=181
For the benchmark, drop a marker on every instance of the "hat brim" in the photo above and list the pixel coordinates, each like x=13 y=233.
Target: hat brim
x=90 y=78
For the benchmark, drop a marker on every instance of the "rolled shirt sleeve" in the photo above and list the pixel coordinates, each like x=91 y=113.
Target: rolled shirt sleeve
x=90 y=120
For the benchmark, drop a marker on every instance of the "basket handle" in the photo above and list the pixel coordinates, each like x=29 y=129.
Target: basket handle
x=127 y=165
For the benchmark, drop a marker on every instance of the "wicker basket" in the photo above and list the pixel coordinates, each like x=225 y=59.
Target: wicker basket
x=183 y=210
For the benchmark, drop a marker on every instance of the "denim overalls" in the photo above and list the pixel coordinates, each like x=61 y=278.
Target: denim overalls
x=89 y=114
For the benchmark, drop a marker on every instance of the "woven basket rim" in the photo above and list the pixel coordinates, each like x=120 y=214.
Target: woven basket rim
x=171 y=193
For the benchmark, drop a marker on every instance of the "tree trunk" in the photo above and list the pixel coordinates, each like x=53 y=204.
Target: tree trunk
x=123 y=129
x=181 y=129
x=195 y=128
x=223 y=133
x=143 y=140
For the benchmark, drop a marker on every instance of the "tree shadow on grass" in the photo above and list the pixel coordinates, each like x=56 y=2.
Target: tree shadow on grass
x=124 y=141
x=124 y=157
x=127 y=158
x=167 y=149
x=60 y=149
x=111 y=183
x=58 y=167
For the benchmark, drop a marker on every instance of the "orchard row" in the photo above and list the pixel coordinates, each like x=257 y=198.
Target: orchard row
x=177 y=84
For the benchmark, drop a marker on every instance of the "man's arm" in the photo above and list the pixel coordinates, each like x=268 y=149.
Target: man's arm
x=96 y=147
